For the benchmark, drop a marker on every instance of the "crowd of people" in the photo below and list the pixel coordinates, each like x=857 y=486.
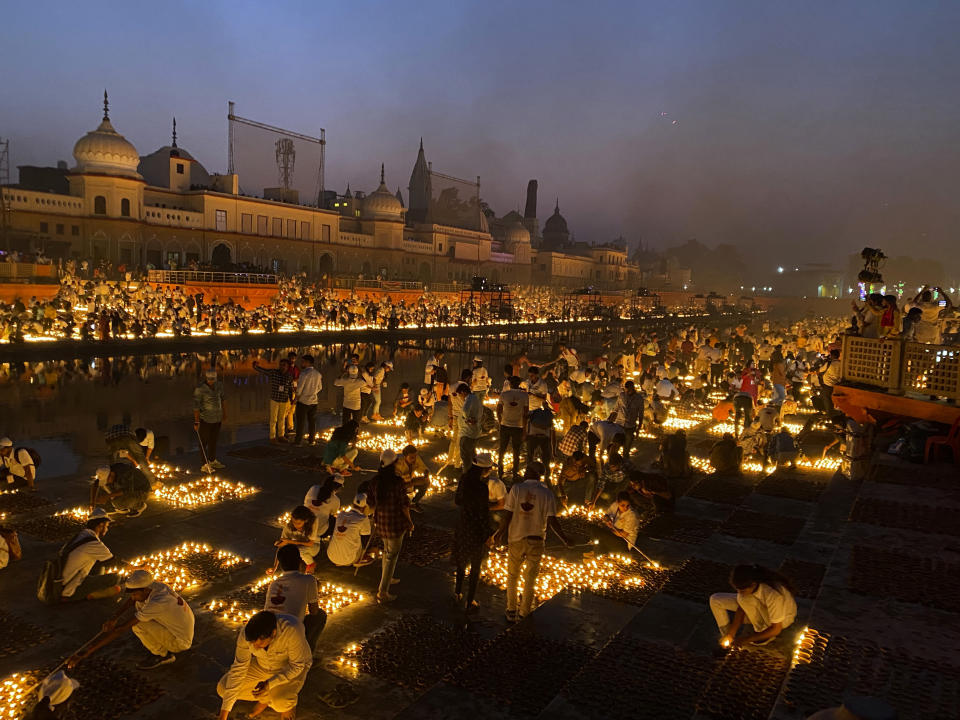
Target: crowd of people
x=524 y=440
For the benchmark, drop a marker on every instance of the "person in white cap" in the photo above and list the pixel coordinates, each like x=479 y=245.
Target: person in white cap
x=82 y=562
x=161 y=619
x=391 y=515
x=479 y=379
x=17 y=466
x=353 y=386
x=209 y=414
x=350 y=533
x=473 y=527
x=322 y=501
x=55 y=692
x=293 y=592
x=269 y=667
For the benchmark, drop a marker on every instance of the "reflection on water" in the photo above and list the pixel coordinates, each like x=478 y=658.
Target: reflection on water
x=63 y=408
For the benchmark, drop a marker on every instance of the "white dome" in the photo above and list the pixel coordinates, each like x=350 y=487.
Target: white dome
x=515 y=233
x=382 y=204
x=106 y=151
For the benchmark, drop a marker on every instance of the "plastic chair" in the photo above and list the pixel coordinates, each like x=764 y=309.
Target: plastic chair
x=950 y=440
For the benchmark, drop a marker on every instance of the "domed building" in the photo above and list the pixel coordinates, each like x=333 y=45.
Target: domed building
x=555 y=232
x=516 y=240
x=382 y=204
x=173 y=167
x=104 y=151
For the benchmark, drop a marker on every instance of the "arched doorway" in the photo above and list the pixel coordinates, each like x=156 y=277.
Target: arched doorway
x=325 y=265
x=220 y=258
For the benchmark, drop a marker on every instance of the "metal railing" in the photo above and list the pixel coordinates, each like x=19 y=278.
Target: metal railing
x=179 y=277
x=25 y=270
x=354 y=284
x=900 y=366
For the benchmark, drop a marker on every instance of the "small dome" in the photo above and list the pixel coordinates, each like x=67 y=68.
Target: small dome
x=515 y=233
x=382 y=204
x=155 y=167
x=106 y=151
x=556 y=223
x=511 y=217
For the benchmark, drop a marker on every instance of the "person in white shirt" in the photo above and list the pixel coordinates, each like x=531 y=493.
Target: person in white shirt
x=161 y=619
x=147 y=440
x=309 y=384
x=270 y=665
x=295 y=593
x=605 y=436
x=512 y=408
x=570 y=356
x=622 y=520
x=353 y=386
x=82 y=556
x=16 y=465
x=764 y=598
x=536 y=388
x=529 y=508
x=323 y=502
x=302 y=531
x=470 y=427
x=376 y=380
x=350 y=532
x=435 y=361
x=666 y=390
x=479 y=379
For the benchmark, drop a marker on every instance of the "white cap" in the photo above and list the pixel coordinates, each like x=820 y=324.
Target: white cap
x=138 y=580
x=6 y=442
x=477 y=358
x=102 y=475
x=360 y=500
x=388 y=457
x=211 y=374
x=98 y=514
x=424 y=392
x=337 y=478
x=57 y=688
x=483 y=460
x=388 y=364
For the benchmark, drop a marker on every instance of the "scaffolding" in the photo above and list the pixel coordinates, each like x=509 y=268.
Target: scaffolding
x=4 y=193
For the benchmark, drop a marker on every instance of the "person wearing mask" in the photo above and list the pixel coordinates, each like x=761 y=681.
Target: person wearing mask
x=350 y=534
x=17 y=466
x=353 y=386
x=83 y=559
x=301 y=531
x=309 y=385
x=416 y=477
x=473 y=527
x=209 y=414
x=629 y=414
x=323 y=502
x=470 y=424
x=161 y=619
x=530 y=507
x=269 y=667
x=294 y=593
x=512 y=409
x=479 y=379
x=764 y=599
x=391 y=516
x=281 y=393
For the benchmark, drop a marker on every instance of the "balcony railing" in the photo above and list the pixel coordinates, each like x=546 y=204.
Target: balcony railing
x=24 y=271
x=899 y=366
x=180 y=277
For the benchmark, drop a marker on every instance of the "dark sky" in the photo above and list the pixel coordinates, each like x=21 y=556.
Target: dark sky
x=804 y=130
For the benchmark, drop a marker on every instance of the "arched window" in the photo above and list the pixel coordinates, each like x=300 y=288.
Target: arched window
x=99 y=205
x=125 y=207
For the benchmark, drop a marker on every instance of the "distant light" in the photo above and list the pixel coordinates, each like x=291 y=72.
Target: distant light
x=779 y=269
x=796 y=269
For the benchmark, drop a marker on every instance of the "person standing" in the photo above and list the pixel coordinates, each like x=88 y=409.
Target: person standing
x=375 y=378
x=473 y=527
x=629 y=414
x=161 y=619
x=288 y=418
x=281 y=394
x=308 y=386
x=269 y=667
x=209 y=414
x=391 y=516
x=540 y=436
x=529 y=508
x=353 y=387
x=512 y=409
x=471 y=427
x=479 y=379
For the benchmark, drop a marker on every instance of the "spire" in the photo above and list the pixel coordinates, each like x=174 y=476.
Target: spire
x=106 y=105
x=348 y=194
x=400 y=197
x=421 y=143
x=381 y=174
x=556 y=209
x=174 y=132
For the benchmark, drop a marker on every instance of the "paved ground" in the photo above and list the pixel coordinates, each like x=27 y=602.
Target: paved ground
x=877 y=563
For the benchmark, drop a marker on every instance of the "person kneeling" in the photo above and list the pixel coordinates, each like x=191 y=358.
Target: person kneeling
x=351 y=531
x=161 y=619
x=270 y=666
x=764 y=599
x=295 y=593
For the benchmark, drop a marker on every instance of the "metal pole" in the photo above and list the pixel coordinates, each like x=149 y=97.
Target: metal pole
x=230 y=167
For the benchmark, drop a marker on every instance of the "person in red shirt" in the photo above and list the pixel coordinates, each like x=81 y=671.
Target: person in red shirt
x=746 y=398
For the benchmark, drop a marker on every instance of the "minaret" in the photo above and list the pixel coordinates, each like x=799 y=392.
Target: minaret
x=174 y=143
x=419 y=190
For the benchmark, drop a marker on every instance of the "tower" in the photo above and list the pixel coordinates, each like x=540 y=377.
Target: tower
x=419 y=191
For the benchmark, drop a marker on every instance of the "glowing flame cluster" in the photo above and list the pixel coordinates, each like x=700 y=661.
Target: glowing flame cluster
x=80 y=514
x=348 y=660
x=169 y=567
x=205 y=491
x=331 y=598
x=15 y=695
x=806 y=642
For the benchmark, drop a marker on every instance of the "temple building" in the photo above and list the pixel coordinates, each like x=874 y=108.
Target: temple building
x=166 y=211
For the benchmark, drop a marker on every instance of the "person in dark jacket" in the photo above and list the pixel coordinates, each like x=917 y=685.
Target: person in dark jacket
x=473 y=527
